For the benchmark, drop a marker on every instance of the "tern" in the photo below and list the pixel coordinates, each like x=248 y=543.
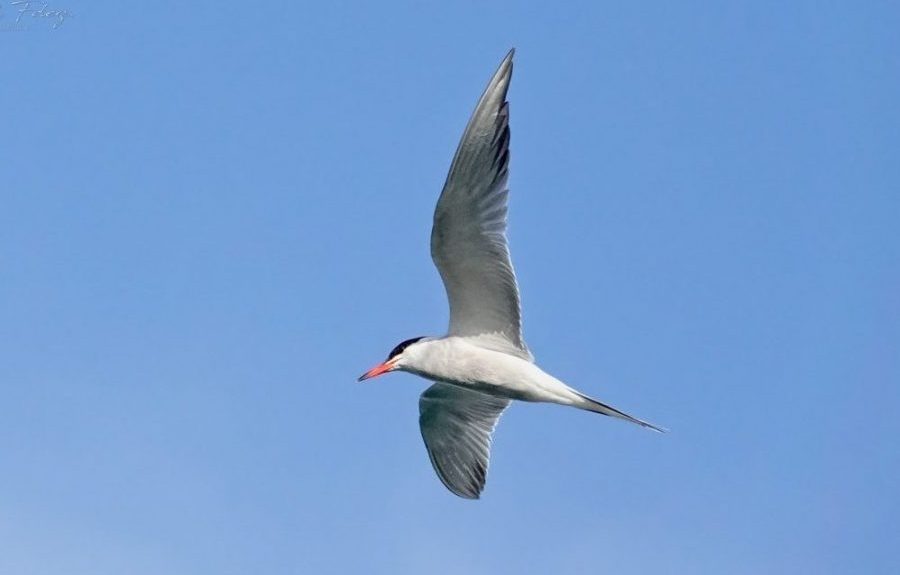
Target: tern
x=482 y=364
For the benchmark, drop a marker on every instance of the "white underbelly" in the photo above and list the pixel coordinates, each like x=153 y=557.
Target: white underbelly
x=496 y=373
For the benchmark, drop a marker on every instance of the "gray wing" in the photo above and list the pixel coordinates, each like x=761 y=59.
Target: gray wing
x=457 y=424
x=468 y=238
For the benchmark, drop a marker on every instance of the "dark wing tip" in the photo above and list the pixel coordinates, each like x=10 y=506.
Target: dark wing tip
x=504 y=71
x=499 y=83
x=463 y=489
x=470 y=494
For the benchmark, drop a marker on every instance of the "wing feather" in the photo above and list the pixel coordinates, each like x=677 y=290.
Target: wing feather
x=468 y=238
x=457 y=425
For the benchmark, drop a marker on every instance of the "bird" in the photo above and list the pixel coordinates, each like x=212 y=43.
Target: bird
x=482 y=364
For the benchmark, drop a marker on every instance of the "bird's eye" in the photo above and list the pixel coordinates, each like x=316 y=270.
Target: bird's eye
x=402 y=346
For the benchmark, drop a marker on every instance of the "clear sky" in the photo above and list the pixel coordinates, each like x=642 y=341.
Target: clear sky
x=214 y=216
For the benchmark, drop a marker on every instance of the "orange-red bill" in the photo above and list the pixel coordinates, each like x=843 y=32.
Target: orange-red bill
x=376 y=371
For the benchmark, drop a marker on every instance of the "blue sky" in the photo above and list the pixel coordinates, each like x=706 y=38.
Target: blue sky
x=216 y=215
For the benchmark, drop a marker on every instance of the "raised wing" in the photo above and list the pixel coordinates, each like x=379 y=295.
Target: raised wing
x=468 y=238
x=457 y=424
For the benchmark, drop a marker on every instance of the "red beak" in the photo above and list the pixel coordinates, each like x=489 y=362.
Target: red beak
x=379 y=369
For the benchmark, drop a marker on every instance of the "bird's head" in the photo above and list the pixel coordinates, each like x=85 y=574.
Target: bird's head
x=398 y=357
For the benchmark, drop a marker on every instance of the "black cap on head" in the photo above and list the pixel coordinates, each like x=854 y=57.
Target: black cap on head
x=403 y=345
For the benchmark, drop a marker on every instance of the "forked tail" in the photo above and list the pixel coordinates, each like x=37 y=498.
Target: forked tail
x=591 y=404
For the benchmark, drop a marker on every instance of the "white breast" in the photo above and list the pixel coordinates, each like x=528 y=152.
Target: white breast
x=458 y=361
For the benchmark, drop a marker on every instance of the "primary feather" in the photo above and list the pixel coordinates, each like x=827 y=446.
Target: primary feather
x=468 y=238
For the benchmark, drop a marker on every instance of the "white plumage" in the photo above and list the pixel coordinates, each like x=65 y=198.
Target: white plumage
x=483 y=363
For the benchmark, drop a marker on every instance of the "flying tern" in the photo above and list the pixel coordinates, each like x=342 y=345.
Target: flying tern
x=482 y=364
